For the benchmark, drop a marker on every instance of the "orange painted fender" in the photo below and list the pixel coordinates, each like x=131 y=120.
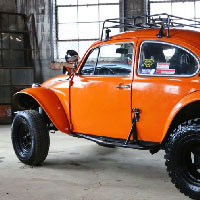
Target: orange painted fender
x=192 y=97
x=50 y=103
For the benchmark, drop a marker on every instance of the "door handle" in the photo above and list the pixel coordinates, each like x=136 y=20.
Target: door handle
x=120 y=86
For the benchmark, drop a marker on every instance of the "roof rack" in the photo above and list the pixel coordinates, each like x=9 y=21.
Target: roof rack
x=162 y=21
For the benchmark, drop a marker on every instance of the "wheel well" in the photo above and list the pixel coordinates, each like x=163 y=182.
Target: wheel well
x=190 y=111
x=26 y=102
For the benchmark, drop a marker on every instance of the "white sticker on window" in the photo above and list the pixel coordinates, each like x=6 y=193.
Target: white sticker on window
x=163 y=65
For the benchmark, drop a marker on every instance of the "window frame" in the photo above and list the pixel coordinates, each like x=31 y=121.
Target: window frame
x=55 y=26
x=109 y=75
x=85 y=60
x=167 y=75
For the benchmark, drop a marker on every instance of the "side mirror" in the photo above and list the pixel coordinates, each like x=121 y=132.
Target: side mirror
x=71 y=57
x=66 y=70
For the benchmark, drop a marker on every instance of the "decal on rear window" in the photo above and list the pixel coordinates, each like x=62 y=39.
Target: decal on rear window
x=163 y=65
x=163 y=59
x=148 y=62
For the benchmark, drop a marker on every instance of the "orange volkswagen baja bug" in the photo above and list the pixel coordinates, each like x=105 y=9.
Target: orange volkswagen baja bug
x=138 y=89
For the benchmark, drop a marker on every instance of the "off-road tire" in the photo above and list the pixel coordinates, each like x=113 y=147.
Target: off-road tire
x=183 y=158
x=30 y=137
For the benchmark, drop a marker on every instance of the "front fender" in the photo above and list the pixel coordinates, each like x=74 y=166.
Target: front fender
x=190 y=98
x=50 y=103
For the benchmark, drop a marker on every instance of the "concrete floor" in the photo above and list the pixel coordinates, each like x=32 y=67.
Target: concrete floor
x=77 y=169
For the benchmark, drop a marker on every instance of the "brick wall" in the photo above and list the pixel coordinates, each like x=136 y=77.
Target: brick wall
x=134 y=7
x=41 y=10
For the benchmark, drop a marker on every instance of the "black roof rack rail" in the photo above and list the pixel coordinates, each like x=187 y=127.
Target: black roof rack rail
x=162 y=21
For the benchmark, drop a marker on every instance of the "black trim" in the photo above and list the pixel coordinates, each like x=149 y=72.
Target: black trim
x=116 y=142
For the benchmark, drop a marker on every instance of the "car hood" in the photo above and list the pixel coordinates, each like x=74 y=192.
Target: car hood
x=56 y=81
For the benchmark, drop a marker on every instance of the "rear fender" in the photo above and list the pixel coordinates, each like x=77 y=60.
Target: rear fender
x=49 y=102
x=193 y=97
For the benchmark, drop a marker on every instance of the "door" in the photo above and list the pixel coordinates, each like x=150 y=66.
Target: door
x=164 y=76
x=101 y=92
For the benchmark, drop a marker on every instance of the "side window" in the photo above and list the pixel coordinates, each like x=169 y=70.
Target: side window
x=89 y=66
x=164 y=59
x=115 y=60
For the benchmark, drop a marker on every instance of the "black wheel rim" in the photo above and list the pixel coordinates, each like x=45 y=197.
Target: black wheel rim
x=190 y=162
x=23 y=138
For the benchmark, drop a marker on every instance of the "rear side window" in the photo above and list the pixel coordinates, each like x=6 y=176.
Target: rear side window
x=161 y=59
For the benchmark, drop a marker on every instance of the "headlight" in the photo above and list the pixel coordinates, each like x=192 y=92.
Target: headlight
x=34 y=85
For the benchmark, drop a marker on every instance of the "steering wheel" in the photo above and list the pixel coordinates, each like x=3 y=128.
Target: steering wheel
x=103 y=71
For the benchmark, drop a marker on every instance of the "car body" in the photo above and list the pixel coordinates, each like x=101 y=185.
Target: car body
x=148 y=93
x=147 y=88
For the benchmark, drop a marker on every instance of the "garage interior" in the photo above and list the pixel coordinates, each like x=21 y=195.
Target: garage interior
x=34 y=37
